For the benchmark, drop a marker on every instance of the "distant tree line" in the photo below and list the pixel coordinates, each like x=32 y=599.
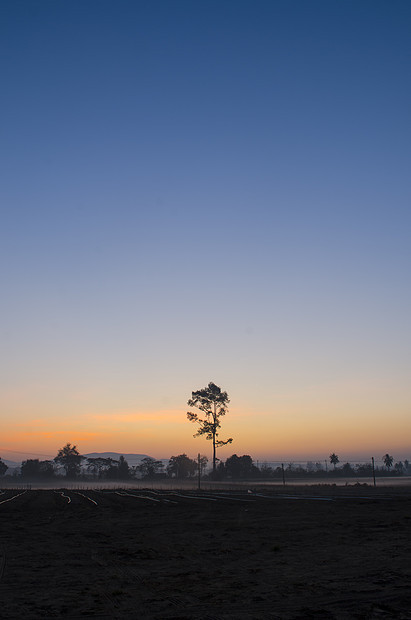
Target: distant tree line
x=69 y=463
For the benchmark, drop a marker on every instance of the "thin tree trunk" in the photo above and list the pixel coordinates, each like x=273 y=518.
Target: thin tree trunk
x=214 y=432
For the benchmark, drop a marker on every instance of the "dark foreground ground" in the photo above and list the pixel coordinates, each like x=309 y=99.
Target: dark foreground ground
x=148 y=555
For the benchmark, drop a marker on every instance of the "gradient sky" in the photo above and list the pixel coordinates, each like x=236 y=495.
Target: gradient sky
x=197 y=191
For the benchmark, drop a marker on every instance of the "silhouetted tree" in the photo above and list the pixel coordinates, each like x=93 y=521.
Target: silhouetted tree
x=149 y=467
x=92 y=466
x=388 y=460
x=347 y=470
x=3 y=468
x=182 y=466
x=334 y=459
x=123 y=469
x=47 y=469
x=69 y=458
x=399 y=468
x=99 y=466
x=111 y=472
x=30 y=468
x=241 y=467
x=213 y=403
x=33 y=468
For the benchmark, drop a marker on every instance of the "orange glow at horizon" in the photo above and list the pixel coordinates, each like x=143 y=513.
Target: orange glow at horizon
x=289 y=434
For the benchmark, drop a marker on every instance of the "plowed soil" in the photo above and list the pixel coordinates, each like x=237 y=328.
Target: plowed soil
x=322 y=554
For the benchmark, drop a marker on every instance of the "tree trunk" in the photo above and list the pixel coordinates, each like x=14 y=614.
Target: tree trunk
x=214 y=433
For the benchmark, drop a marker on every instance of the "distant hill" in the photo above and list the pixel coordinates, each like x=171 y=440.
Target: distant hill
x=132 y=459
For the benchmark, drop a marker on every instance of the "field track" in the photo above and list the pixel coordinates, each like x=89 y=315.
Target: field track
x=137 y=553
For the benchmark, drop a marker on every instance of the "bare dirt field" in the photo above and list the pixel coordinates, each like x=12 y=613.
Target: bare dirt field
x=309 y=552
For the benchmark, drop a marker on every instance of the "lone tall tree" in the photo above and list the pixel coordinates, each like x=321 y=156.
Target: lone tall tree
x=213 y=403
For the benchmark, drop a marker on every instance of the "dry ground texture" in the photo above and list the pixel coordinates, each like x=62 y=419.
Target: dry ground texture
x=326 y=552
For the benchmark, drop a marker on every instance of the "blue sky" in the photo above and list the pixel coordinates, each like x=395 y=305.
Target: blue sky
x=196 y=191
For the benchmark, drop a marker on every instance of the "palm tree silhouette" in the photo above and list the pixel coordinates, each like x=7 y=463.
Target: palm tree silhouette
x=334 y=459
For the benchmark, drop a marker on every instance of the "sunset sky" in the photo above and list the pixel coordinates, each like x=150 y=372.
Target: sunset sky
x=205 y=190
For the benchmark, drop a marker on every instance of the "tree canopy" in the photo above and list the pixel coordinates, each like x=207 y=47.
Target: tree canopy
x=33 y=468
x=98 y=466
x=69 y=458
x=240 y=466
x=182 y=466
x=334 y=459
x=123 y=468
x=388 y=460
x=149 y=468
